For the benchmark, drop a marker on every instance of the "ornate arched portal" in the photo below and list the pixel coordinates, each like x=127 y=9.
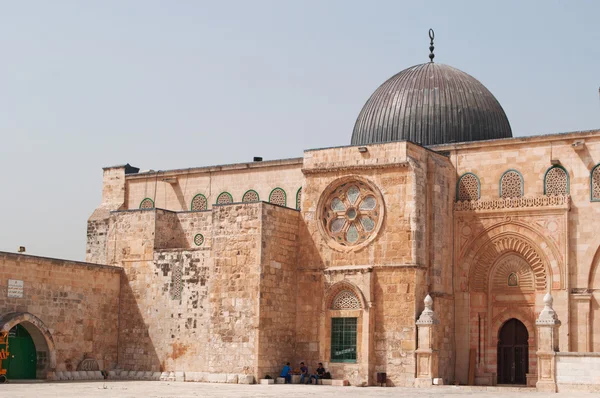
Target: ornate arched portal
x=504 y=271
x=42 y=339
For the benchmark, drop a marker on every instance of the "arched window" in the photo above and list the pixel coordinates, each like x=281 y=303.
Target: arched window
x=556 y=181
x=224 y=198
x=298 y=198
x=468 y=187
x=345 y=300
x=250 y=196
x=595 y=183
x=199 y=203
x=147 y=203
x=511 y=185
x=277 y=197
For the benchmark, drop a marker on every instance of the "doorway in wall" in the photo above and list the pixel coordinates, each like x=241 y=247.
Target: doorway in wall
x=513 y=353
x=22 y=361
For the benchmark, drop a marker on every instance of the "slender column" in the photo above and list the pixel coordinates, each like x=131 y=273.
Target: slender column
x=427 y=355
x=547 y=325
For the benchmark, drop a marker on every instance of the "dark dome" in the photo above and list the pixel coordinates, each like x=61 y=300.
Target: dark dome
x=431 y=104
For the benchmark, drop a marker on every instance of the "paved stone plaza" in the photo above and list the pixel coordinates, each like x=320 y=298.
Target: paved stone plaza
x=180 y=389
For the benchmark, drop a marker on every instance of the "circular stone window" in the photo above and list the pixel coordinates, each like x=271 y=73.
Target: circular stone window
x=351 y=213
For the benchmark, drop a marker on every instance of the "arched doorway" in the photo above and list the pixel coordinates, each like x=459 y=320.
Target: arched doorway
x=513 y=356
x=27 y=333
x=22 y=361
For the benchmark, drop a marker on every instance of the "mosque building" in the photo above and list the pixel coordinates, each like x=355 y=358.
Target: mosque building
x=436 y=247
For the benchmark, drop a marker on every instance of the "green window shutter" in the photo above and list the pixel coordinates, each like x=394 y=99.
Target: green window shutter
x=343 y=339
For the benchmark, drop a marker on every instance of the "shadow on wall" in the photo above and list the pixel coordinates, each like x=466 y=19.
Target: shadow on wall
x=136 y=350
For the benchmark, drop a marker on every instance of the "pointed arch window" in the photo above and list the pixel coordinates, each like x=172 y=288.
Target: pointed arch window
x=556 y=181
x=511 y=185
x=298 y=198
x=468 y=187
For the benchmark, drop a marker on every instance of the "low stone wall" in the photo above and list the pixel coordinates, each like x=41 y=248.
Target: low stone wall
x=578 y=371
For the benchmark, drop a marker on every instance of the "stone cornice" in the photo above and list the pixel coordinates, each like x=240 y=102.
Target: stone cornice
x=333 y=167
x=525 y=203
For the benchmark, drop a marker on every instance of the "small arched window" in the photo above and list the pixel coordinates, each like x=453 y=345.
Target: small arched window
x=277 y=197
x=511 y=185
x=199 y=203
x=147 y=203
x=224 y=198
x=468 y=187
x=298 y=198
x=556 y=181
x=250 y=196
x=595 y=183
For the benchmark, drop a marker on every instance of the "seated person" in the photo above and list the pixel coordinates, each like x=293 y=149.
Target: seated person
x=286 y=373
x=320 y=373
x=303 y=373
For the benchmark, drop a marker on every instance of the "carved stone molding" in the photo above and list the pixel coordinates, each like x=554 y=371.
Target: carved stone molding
x=524 y=203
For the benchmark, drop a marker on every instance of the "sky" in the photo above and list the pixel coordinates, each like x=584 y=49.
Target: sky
x=178 y=84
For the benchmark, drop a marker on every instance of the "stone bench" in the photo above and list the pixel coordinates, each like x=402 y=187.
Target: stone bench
x=325 y=382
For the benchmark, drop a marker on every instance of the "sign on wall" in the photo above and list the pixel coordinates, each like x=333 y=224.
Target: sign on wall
x=15 y=288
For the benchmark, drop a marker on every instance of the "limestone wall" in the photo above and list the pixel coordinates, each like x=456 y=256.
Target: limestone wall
x=576 y=244
x=262 y=177
x=278 y=281
x=77 y=302
x=233 y=289
x=578 y=371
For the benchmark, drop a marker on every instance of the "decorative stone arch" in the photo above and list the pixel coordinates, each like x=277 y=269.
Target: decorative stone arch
x=499 y=320
x=42 y=338
x=498 y=247
x=518 y=237
x=594 y=269
x=337 y=288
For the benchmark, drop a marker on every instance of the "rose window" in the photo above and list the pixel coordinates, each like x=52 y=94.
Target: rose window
x=351 y=213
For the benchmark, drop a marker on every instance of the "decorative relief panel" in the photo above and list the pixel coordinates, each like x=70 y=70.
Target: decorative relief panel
x=556 y=182
x=351 y=214
x=512 y=273
x=560 y=201
x=345 y=300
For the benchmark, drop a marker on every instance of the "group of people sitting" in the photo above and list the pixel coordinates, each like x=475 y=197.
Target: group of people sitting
x=305 y=376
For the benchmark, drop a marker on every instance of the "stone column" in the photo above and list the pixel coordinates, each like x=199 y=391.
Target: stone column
x=427 y=356
x=547 y=325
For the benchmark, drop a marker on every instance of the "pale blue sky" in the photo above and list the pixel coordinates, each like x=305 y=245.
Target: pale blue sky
x=191 y=83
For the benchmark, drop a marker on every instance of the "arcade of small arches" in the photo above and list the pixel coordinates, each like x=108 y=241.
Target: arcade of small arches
x=199 y=202
x=511 y=184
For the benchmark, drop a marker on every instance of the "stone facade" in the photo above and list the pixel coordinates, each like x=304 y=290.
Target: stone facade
x=233 y=290
x=70 y=309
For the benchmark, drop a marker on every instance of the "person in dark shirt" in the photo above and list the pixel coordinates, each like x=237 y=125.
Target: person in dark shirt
x=320 y=373
x=303 y=373
x=286 y=373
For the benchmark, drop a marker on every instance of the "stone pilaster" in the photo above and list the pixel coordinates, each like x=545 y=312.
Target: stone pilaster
x=427 y=355
x=547 y=325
